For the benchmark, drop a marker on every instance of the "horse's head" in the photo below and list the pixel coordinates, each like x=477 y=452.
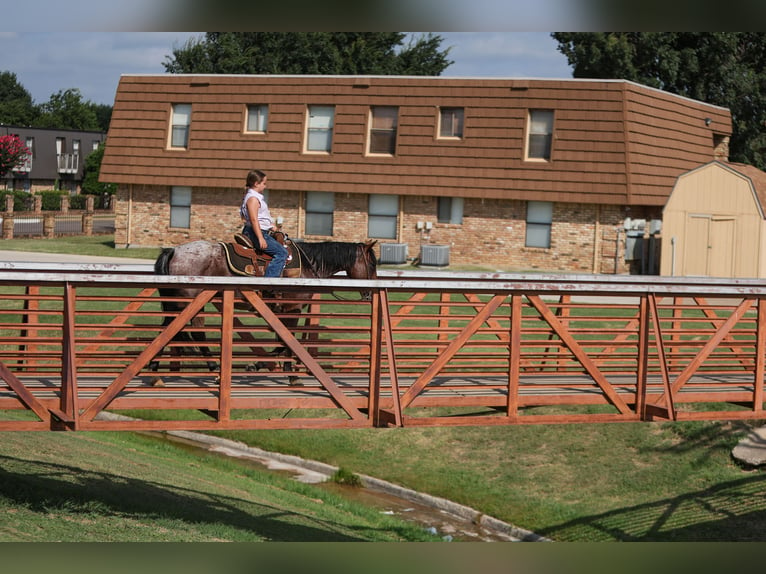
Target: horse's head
x=366 y=266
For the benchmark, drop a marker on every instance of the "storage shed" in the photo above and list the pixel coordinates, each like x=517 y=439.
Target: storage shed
x=713 y=223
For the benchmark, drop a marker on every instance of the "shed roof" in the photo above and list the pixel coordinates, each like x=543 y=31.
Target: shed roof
x=756 y=176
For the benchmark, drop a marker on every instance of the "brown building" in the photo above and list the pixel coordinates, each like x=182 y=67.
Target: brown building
x=515 y=173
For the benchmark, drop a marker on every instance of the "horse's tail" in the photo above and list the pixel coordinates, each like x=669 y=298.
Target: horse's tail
x=162 y=265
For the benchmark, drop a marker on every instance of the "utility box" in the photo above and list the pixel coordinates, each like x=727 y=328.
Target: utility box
x=393 y=253
x=437 y=255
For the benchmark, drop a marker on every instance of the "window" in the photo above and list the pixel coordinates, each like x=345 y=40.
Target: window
x=26 y=167
x=180 y=207
x=179 y=128
x=383 y=122
x=449 y=210
x=257 y=118
x=539 y=219
x=451 y=123
x=383 y=216
x=540 y=134
x=320 y=206
x=94 y=145
x=76 y=147
x=319 y=126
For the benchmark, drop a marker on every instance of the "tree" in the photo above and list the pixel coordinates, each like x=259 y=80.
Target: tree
x=66 y=110
x=363 y=53
x=722 y=68
x=12 y=153
x=90 y=183
x=16 y=106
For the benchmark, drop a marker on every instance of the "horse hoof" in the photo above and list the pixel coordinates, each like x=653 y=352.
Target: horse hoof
x=157 y=382
x=294 y=382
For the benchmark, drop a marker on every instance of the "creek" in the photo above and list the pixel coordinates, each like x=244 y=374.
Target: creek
x=448 y=521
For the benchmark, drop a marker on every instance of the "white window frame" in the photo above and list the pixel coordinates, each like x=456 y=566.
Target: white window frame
x=379 y=126
x=180 y=207
x=320 y=209
x=539 y=135
x=382 y=216
x=451 y=123
x=180 y=126
x=449 y=210
x=257 y=119
x=320 y=123
x=539 y=224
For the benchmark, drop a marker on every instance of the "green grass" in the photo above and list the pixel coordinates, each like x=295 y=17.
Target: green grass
x=125 y=487
x=96 y=245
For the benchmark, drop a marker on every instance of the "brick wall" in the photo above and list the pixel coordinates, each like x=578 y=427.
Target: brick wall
x=584 y=238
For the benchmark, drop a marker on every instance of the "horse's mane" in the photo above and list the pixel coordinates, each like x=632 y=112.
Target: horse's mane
x=329 y=257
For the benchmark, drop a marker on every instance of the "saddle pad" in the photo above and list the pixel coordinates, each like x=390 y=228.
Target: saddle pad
x=241 y=261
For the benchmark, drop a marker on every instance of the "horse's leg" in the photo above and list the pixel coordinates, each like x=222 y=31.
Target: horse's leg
x=198 y=336
x=291 y=323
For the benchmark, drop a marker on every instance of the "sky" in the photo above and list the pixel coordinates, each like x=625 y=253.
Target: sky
x=48 y=62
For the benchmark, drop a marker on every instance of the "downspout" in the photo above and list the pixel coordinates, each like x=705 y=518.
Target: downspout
x=597 y=240
x=130 y=216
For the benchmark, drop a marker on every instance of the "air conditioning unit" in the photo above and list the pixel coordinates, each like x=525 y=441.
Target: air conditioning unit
x=437 y=255
x=393 y=253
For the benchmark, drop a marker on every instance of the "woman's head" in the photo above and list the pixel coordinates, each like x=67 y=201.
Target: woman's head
x=255 y=176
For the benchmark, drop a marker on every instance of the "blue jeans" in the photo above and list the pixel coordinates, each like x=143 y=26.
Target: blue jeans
x=274 y=248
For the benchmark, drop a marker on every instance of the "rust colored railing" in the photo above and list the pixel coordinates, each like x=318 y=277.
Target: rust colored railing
x=77 y=342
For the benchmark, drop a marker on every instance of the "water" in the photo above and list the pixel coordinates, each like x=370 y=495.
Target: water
x=449 y=527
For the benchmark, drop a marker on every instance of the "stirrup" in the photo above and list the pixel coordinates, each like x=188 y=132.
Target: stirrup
x=243 y=240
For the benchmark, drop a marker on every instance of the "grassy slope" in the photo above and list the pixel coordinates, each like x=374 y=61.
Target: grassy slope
x=123 y=487
x=646 y=481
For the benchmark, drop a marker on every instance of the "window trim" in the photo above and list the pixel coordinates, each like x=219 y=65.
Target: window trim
x=265 y=115
x=384 y=215
x=440 y=119
x=370 y=128
x=539 y=224
x=176 y=206
x=314 y=211
x=330 y=131
x=548 y=135
x=173 y=126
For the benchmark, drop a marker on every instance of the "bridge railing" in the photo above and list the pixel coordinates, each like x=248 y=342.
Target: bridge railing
x=80 y=341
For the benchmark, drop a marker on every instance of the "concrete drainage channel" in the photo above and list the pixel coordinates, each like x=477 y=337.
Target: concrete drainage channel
x=441 y=517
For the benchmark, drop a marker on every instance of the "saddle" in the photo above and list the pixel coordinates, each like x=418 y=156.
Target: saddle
x=244 y=259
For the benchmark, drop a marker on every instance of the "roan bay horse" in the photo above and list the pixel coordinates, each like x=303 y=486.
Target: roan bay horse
x=315 y=260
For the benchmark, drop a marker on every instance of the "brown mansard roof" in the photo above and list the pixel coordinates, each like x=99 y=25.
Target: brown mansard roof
x=615 y=141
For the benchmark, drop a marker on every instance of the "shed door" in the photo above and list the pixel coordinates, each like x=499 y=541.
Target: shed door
x=709 y=245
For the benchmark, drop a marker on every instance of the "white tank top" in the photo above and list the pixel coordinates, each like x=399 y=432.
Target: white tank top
x=264 y=216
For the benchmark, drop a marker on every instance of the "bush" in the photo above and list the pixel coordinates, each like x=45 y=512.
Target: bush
x=22 y=201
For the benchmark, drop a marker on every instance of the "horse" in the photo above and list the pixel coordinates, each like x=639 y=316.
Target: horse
x=312 y=260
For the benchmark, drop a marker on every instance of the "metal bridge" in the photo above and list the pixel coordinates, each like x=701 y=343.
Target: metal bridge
x=79 y=340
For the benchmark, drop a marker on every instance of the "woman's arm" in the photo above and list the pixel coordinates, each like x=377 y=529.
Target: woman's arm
x=252 y=211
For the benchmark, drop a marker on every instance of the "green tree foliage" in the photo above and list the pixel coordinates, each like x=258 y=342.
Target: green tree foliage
x=340 y=53
x=91 y=184
x=67 y=110
x=722 y=68
x=16 y=105
x=103 y=116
